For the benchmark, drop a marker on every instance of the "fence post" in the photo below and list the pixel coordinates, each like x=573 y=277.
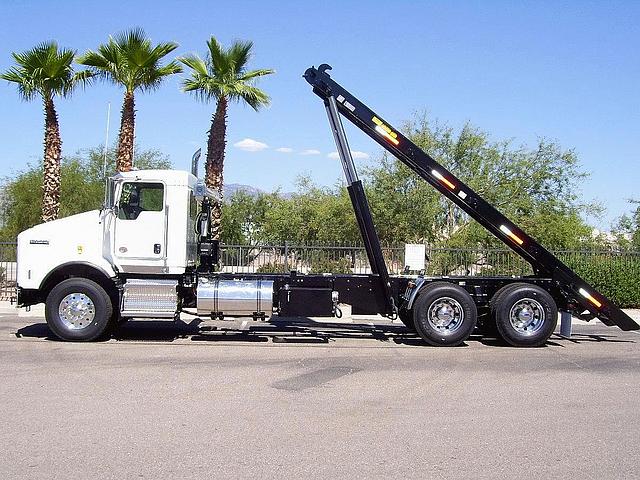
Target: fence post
x=286 y=256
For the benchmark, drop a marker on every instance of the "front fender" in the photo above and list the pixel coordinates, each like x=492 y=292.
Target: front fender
x=77 y=269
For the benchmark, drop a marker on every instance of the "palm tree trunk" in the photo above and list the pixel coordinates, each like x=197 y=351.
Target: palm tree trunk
x=127 y=134
x=51 y=167
x=215 y=162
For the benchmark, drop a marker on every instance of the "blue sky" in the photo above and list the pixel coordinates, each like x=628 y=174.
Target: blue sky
x=569 y=71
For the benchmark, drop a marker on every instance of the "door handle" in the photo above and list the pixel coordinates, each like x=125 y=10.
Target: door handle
x=156 y=248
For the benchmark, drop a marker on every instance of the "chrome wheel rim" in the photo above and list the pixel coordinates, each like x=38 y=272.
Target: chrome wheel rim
x=76 y=311
x=445 y=315
x=527 y=316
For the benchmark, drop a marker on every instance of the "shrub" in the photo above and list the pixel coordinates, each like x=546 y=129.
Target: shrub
x=616 y=277
x=270 y=267
x=327 y=265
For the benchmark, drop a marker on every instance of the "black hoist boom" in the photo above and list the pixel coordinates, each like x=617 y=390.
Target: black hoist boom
x=579 y=295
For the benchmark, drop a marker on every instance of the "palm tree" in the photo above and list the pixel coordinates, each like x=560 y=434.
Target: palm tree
x=132 y=61
x=222 y=75
x=47 y=71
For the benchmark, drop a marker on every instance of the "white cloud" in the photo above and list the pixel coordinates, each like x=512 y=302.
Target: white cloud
x=284 y=149
x=354 y=153
x=250 y=145
x=311 y=151
x=358 y=154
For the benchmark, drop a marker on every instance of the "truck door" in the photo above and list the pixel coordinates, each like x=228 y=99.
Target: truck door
x=140 y=231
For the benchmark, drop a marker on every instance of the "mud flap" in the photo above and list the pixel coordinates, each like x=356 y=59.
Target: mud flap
x=565 y=324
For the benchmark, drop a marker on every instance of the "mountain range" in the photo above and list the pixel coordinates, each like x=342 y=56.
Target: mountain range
x=231 y=188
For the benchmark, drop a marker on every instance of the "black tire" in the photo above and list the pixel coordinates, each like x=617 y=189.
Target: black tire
x=406 y=317
x=489 y=327
x=444 y=299
x=525 y=315
x=89 y=310
x=500 y=293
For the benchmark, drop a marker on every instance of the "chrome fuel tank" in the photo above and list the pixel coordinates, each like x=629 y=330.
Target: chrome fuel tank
x=235 y=297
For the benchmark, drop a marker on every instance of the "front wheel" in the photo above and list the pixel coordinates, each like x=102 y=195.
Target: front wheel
x=444 y=314
x=78 y=309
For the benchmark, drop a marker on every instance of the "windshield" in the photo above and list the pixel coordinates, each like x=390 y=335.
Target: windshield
x=137 y=197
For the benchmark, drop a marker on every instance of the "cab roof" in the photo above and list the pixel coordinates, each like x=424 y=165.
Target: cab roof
x=169 y=177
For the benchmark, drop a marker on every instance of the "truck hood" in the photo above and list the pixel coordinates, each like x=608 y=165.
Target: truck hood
x=74 y=239
x=61 y=228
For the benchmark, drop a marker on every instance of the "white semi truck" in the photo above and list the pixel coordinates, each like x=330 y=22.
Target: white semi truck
x=149 y=254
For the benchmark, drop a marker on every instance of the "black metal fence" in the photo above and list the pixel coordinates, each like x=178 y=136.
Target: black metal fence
x=8 y=270
x=339 y=258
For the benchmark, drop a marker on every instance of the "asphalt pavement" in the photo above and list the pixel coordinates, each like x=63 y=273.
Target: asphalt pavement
x=307 y=399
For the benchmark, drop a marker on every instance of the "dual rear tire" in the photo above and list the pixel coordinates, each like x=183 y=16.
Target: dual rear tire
x=444 y=314
x=525 y=315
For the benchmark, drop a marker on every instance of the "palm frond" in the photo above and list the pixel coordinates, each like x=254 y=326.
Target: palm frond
x=239 y=54
x=253 y=96
x=111 y=52
x=46 y=69
x=203 y=89
x=256 y=73
x=131 y=60
x=195 y=63
x=83 y=78
x=218 y=57
x=162 y=50
x=170 y=68
x=132 y=39
x=222 y=74
x=93 y=59
x=26 y=86
x=152 y=78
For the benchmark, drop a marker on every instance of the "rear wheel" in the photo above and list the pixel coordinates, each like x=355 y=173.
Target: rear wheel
x=78 y=309
x=525 y=314
x=444 y=314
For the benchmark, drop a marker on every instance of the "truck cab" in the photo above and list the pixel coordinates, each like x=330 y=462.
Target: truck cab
x=129 y=235
x=147 y=206
x=146 y=229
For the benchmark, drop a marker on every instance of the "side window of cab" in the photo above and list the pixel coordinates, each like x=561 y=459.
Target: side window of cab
x=138 y=197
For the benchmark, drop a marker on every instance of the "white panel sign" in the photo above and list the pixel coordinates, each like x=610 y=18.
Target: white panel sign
x=414 y=255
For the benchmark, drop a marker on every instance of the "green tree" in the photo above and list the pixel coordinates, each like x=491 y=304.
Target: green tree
x=131 y=60
x=536 y=188
x=82 y=187
x=627 y=229
x=244 y=216
x=312 y=215
x=47 y=71
x=222 y=76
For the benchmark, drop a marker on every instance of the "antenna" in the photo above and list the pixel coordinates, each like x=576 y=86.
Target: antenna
x=106 y=142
